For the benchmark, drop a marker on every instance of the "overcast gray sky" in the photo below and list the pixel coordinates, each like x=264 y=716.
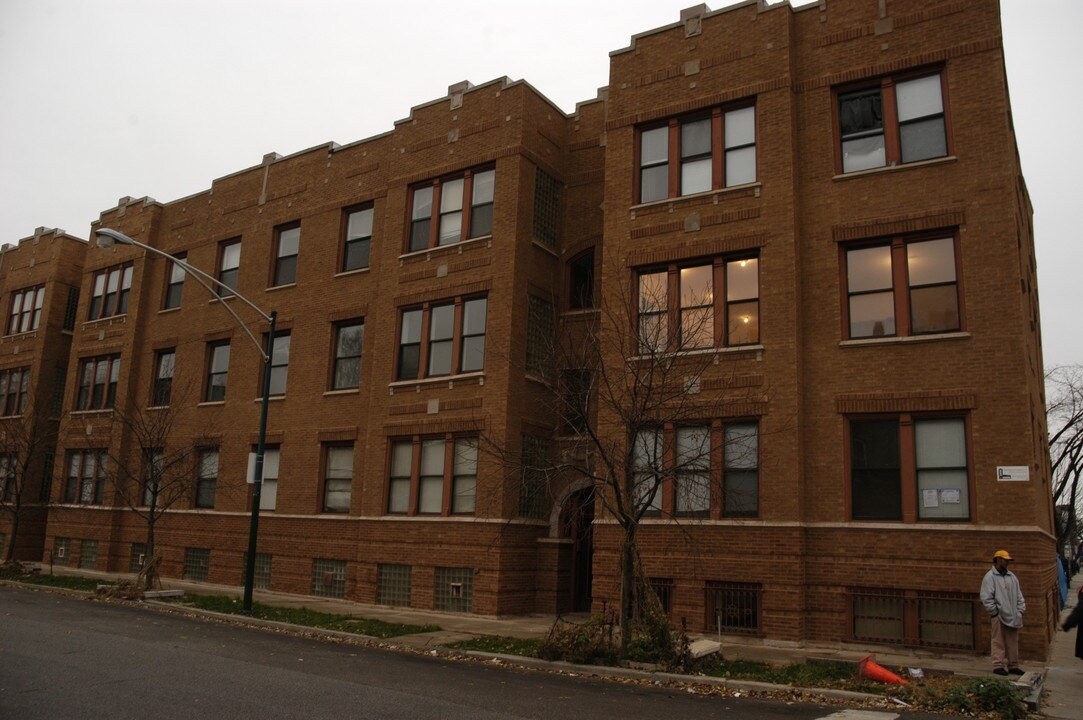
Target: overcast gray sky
x=105 y=98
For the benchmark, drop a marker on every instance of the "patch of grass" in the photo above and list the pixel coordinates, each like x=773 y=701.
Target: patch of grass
x=970 y=696
x=306 y=617
x=70 y=582
x=825 y=675
x=499 y=644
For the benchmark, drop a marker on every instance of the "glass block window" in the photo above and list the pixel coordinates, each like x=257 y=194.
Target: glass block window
x=261 y=578
x=454 y=589
x=62 y=551
x=88 y=554
x=734 y=607
x=393 y=585
x=546 y=208
x=534 y=490
x=329 y=578
x=197 y=564
x=137 y=558
x=539 y=337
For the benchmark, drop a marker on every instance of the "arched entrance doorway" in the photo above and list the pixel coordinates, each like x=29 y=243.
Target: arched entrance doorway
x=577 y=524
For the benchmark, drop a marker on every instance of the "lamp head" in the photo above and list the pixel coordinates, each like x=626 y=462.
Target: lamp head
x=107 y=237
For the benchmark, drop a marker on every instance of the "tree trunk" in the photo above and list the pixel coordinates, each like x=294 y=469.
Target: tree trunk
x=627 y=587
x=9 y=554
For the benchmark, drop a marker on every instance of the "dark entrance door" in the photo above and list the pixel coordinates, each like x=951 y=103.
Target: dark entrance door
x=578 y=524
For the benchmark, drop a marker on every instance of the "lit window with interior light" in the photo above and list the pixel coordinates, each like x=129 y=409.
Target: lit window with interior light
x=901 y=287
x=715 y=304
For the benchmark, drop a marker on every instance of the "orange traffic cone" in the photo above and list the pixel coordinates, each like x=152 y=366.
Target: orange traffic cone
x=874 y=671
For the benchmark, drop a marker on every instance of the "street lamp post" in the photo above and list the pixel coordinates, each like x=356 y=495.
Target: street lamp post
x=106 y=238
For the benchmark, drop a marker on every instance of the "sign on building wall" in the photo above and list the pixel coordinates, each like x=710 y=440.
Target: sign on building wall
x=1013 y=473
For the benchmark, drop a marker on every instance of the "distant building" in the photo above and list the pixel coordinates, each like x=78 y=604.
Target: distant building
x=839 y=183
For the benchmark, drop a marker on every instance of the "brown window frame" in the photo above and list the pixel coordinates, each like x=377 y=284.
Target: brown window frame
x=890 y=124
x=280 y=336
x=201 y=482
x=84 y=394
x=336 y=358
x=718 y=506
x=909 y=492
x=209 y=365
x=74 y=485
x=14 y=388
x=280 y=264
x=467 y=211
x=221 y=271
x=106 y=303
x=674 y=161
x=172 y=283
x=160 y=393
x=901 y=289
x=350 y=242
x=25 y=313
x=721 y=307
x=425 y=342
x=450 y=442
x=325 y=451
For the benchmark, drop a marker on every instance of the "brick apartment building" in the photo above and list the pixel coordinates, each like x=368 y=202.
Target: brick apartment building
x=833 y=191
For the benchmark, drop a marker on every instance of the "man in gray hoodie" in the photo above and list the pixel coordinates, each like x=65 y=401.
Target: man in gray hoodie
x=1003 y=600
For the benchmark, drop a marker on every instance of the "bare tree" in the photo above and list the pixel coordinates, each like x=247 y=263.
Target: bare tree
x=27 y=437
x=150 y=465
x=644 y=363
x=1064 y=412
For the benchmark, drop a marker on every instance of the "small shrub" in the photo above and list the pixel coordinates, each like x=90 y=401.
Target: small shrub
x=583 y=643
x=970 y=696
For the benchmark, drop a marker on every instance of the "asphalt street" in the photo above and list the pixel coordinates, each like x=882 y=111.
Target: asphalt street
x=63 y=657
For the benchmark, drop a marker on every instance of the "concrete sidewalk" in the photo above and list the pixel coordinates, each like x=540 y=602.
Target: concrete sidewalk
x=1063 y=681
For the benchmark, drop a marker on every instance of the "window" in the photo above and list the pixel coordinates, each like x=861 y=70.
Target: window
x=268 y=492
x=539 y=337
x=137 y=557
x=938 y=486
x=197 y=564
x=693 y=470
x=349 y=344
x=153 y=465
x=217 y=371
x=88 y=554
x=229 y=266
x=207 y=481
x=329 y=578
x=287 y=241
x=546 y=208
x=280 y=363
x=338 y=478
x=26 y=309
x=86 y=477
x=451 y=210
x=358 y=244
x=261 y=575
x=534 y=488
x=433 y=476
x=704 y=152
x=62 y=550
x=164 y=361
x=648 y=464
x=687 y=487
x=393 y=584
x=718 y=305
x=907 y=617
x=454 y=343
x=71 y=309
x=734 y=607
x=112 y=287
x=902 y=287
x=581 y=281
x=895 y=121
x=98 y=382
x=14 y=385
x=454 y=589
x=175 y=286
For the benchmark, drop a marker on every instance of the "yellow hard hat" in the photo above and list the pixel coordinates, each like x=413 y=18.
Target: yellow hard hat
x=1002 y=554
